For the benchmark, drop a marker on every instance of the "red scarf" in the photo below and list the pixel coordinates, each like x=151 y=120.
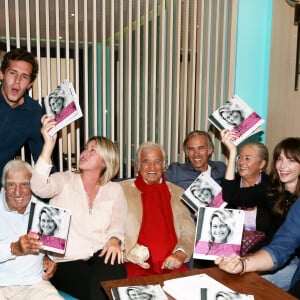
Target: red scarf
x=157 y=229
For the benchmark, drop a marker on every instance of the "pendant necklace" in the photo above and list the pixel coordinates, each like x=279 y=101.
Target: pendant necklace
x=90 y=206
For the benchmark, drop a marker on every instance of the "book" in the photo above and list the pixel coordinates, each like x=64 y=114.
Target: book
x=51 y=223
x=200 y=286
x=212 y=294
x=203 y=191
x=152 y=291
x=218 y=232
x=64 y=105
x=236 y=115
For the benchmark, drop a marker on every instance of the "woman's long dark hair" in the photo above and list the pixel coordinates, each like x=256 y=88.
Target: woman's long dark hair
x=291 y=149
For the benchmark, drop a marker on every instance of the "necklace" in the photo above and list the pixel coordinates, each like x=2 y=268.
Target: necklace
x=91 y=197
x=90 y=205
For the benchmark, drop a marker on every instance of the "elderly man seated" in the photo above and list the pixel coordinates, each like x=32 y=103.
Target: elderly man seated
x=159 y=229
x=24 y=270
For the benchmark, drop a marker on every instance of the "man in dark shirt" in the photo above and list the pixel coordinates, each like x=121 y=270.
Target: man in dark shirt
x=20 y=115
x=198 y=148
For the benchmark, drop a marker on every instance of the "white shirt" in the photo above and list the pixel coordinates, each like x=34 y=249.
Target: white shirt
x=16 y=270
x=90 y=229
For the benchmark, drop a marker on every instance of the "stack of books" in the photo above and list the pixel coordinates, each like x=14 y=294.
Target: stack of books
x=195 y=287
x=200 y=287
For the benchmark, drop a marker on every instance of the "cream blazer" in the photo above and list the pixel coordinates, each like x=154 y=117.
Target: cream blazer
x=183 y=223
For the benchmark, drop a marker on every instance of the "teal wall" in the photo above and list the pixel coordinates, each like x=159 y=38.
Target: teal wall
x=253 y=53
x=99 y=91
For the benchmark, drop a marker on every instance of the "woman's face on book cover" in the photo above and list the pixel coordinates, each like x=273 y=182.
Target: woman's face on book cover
x=138 y=295
x=233 y=117
x=47 y=224
x=204 y=195
x=219 y=230
x=56 y=104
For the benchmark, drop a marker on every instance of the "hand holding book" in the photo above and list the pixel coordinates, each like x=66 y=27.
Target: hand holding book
x=228 y=137
x=204 y=191
x=63 y=104
x=218 y=232
x=237 y=116
x=51 y=224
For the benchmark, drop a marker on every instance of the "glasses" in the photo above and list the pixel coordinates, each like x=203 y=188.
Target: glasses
x=12 y=185
x=222 y=226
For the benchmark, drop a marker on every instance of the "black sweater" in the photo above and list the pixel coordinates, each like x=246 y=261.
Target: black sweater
x=254 y=196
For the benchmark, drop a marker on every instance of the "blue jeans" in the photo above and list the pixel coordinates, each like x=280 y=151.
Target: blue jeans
x=283 y=277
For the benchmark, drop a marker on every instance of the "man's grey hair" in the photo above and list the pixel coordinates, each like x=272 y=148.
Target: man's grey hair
x=148 y=146
x=13 y=165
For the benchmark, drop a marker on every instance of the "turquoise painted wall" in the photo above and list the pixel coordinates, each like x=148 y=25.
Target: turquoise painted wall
x=99 y=90
x=253 y=53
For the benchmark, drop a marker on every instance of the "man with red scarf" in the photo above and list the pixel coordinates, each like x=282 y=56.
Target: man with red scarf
x=159 y=229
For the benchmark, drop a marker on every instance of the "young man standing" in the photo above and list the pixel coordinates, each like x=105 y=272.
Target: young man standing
x=20 y=115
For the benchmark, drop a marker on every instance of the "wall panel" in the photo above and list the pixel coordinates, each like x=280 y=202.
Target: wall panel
x=143 y=70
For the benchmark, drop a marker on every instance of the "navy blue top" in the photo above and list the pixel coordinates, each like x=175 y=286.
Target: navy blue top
x=184 y=174
x=19 y=126
x=286 y=241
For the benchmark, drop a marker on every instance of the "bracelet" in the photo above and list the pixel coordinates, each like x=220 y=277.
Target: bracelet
x=180 y=250
x=12 y=249
x=243 y=262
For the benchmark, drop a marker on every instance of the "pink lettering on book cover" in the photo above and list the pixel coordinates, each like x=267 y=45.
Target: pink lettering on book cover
x=247 y=124
x=51 y=241
x=216 y=249
x=218 y=201
x=67 y=111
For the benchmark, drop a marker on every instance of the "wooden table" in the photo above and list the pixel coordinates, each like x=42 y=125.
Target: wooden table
x=249 y=283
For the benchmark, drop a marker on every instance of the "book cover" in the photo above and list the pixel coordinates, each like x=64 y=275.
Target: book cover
x=64 y=105
x=153 y=292
x=51 y=223
x=218 y=232
x=213 y=294
x=204 y=191
x=236 y=115
x=200 y=286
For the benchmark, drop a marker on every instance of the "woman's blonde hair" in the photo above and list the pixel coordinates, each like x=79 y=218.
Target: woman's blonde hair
x=110 y=155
